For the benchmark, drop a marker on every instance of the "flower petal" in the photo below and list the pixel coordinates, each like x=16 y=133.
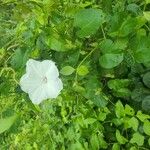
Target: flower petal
x=38 y=95
x=29 y=83
x=53 y=88
x=34 y=66
x=50 y=69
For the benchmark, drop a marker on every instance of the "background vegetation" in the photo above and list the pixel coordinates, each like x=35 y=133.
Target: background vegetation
x=102 y=49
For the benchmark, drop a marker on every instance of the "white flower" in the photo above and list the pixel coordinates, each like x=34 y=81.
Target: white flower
x=41 y=80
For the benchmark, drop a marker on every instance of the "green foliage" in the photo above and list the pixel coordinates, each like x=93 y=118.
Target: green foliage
x=82 y=70
x=102 y=49
x=138 y=139
x=120 y=138
x=120 y=87
x=88 y=20
x=6 y=123
x=67 y=70
x=146 y=127
x=146 y=103
x=147 y=15
x=109 y=61
x=146 y=79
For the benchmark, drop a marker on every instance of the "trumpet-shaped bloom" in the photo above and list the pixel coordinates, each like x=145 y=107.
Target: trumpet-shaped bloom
x=41 y=80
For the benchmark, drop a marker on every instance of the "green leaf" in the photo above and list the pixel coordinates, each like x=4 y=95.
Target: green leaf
x=108 y=46
x=88 y=20
x=94 y=142
x=19 y=58
x=102 y=143
x=147 y=15
x=146 y=127
x=138 y=139
x=6 y=123
x=128 y=110
x=142 y=55
x=116 y=84
x=119 y=110
x=75 y=146
x=146 y=79
x=56 y=44
x=133 y=122
x=16 y=61
x=118 y=121
x=146 y=104
x=134 y=8
x=133 y=148
x=109 y=61
x=123 y=92
x=147 y=1
x=138 y=94
x=140 y=46
x=120 y=138
x=124 y=28
x=119 y=87
x=89 y=121
x=93 y=92
x=82 y=70
x=78 y=88
x=116 y=146
x=102 y=116
x=142 y=116
x=149 y=141
x=98 y=99
x=127 y=27
x=67 y=70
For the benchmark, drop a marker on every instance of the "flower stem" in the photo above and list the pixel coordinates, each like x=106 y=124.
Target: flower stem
x=76 y=75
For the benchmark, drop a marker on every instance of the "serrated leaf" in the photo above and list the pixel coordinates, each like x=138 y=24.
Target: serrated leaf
x=129 y=110
x=102 y=116
x=138 y=139
x=116 y=84
x=142 y=116
x=89 y=121
x=119 y=87
x=133 y=122
x=120 y=138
